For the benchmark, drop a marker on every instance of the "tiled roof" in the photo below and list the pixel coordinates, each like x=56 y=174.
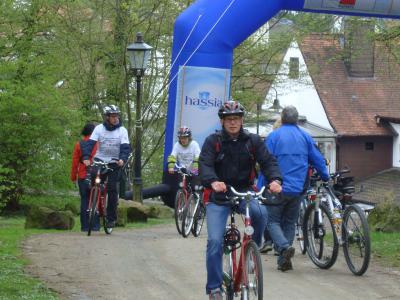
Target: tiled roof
x=377 y=188
x=351 y=104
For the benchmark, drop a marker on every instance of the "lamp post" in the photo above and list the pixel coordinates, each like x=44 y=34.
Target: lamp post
x=258 y=116
x=276 y=107
x=139 y=54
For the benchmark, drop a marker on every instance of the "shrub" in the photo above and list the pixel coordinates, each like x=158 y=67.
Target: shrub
x=385 y=216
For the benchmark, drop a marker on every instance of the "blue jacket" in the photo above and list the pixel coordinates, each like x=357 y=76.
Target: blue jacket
x=295 y=150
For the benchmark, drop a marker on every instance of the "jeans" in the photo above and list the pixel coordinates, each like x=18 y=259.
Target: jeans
x=282 y=220
x=217 y=216
x=84 y=192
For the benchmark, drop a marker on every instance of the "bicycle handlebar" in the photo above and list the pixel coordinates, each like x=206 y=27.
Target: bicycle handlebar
x=248 y=193
x=183 y=170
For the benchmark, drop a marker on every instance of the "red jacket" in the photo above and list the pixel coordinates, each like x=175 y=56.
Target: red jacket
x=78 y=169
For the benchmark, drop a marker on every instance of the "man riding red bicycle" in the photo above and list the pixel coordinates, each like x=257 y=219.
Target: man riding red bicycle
x=228 y=157
x=113 y=143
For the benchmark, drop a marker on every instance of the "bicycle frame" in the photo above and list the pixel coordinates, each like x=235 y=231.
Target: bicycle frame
x=239 y=275
x=101 y=197
x=326 y=195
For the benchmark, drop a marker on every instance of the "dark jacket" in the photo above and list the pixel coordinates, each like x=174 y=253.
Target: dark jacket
x=233 y=164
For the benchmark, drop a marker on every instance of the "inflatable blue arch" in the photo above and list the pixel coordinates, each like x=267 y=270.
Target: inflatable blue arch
x=205 y=35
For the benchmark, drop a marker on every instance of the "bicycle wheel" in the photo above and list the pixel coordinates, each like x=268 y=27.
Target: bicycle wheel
x=356 y=240
x=178 y=210
x=107 y=229
x=94 y=194
x=299 y=226
x=228 y=272
x=188 y=215
x=253 y=275
x=199 y=218
x=320 y=236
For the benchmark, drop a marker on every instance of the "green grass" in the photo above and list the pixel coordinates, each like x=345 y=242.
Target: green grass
x=385 y=248
x=14 y=283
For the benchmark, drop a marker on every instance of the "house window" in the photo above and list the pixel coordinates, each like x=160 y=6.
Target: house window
x=294 y=68
x=369 y=146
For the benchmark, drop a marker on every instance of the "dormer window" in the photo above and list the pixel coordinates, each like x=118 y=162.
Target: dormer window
x=294 y=68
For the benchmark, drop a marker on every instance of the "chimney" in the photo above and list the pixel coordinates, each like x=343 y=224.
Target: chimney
x=359 y=47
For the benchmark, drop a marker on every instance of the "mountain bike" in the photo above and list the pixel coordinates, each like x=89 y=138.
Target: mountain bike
x=184 y=196
x=98 y=198
x=330 y=223
x=242 y=272
x=199 y=215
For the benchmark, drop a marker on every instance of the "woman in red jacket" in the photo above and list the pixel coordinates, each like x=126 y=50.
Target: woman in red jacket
x=78 y=173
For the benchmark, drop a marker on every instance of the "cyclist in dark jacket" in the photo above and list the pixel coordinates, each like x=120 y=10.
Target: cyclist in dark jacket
x=228 y=157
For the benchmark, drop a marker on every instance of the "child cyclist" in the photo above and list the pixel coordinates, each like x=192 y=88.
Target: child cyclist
x=185 y=152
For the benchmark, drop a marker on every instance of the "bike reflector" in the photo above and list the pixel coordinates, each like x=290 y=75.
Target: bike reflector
x=312 y=197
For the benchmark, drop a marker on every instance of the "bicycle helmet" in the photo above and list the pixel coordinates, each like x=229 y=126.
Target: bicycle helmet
x=231 y=108
x=111 y=109
x=184 y=131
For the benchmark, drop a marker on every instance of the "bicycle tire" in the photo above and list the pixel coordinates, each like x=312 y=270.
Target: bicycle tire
x=228 y=272
x=321 y=242
x=178 y=209
x=355 y=231
x=107 y=230
x=94 y=193
x=199 y=218
x=188 y=216
x=299 y=226
x=253 y=272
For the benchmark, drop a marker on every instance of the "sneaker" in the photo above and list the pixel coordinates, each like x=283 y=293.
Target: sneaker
x=266 y=247
x=285 y=263
x=288 y=267
x=216 y=295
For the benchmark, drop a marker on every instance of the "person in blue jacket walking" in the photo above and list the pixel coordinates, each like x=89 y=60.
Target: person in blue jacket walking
x=295 y=150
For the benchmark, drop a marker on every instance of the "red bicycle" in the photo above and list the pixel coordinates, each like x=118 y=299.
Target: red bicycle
x=242 y=271
x=98 y=198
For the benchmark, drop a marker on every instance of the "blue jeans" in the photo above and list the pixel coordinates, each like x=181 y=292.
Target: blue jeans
x=217 y=216
x=84 y=192
x=282 y=220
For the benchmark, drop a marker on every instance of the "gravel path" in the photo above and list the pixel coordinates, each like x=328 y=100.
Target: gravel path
x=156 y=263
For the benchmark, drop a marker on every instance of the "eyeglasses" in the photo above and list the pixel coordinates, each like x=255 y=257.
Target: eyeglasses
x=233 y=119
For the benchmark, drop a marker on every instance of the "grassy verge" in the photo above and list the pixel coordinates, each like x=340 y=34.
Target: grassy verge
x=385 y=248
x=14 y=283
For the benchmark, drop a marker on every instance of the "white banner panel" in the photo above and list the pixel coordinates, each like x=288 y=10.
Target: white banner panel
x=200 y=93
x=382 y=7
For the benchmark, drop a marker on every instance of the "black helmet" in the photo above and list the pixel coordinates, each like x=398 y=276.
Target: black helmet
x=231 y=108
x=111 y=109
x=184 y=131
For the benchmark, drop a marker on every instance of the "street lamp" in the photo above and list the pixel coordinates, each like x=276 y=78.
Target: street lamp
x=276 y=107
x=139 y=54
